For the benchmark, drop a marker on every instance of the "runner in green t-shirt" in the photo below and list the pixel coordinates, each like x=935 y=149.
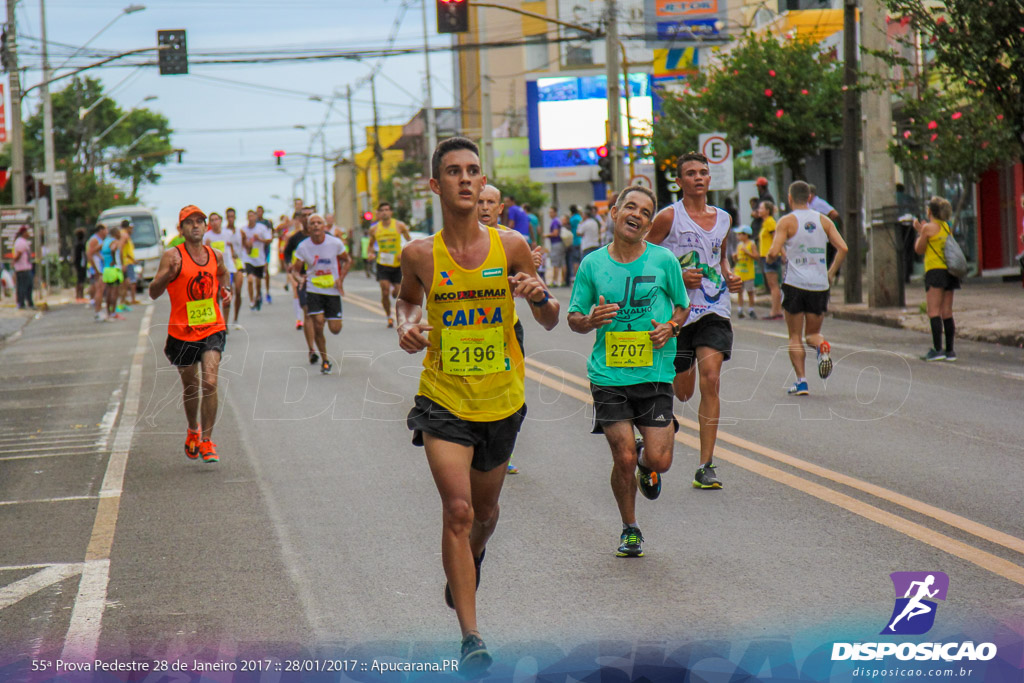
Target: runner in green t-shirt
x=631 y=365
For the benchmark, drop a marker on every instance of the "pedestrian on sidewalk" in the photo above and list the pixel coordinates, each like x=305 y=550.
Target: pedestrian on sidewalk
x=81 y=265
x=23 y=268
x=773 y=269
x=746 y=260
x=939 y=283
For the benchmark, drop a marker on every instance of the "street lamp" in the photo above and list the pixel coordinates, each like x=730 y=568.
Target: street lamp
x=130 y=9
x=121 y=118
x=151 y=131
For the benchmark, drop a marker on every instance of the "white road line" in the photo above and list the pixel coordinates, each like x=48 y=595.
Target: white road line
x=43 y=437
x=83 y=636
x=34 y=501
x=36 y=456
x=89 y=446
x=19 y=590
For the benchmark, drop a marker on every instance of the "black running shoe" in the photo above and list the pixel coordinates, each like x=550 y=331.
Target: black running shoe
x=630 y=543
x=648 y=481
x=313 y=358
x=475 y=658
x=447 y=589
x=706 y=478
x=325 y=367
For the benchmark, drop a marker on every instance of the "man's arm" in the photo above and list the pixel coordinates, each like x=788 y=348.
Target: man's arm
x=404 y=229
x=344 y=264
x=409 y=305
x=662 y=225
x=732 y=281
x=170 y=266
x=372 y=234
x=925 y=231
x=782 y=233
x=222 y=276
x=525 y=282
x=838 y=242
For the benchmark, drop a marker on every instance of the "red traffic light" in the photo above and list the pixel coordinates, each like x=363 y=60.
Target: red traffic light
x=602 y=151
x=278 y=153
x=368 y=216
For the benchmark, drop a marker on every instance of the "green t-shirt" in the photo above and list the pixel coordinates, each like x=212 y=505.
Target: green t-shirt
x=649 y=287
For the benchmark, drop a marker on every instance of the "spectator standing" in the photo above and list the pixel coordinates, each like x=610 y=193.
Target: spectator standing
x=81 y=269
x=773 y=270
x=746 y=259
x=131 y=276
x=763 y=195
x=556 y=252
x=589 y=232
x=517 y=219
x=939 y=283
x=23 y=268
x=574 y=251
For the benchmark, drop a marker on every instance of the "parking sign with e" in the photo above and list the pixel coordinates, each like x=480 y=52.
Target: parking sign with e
x=719 y=154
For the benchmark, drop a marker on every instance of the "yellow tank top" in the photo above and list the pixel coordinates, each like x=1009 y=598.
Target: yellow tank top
x=935 y=250
x=474 y=364
x=389 y=245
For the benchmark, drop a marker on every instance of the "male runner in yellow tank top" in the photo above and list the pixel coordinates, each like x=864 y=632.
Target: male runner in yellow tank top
x=470 y=404
x=386 y=240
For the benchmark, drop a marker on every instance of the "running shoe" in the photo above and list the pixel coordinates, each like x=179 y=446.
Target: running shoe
x=647 y=481
x=391 y=323
x=192 y=444
x=269 y=300
x=630 y=541
x=298 y=324
x=259 y=304
x=208 y=450
x=933 y=355
x=798 y=389
x=325 y=367
x=124 y=309
x=742 y=314
x=512 y=469
x=950 y=356
x=824 y=360
x=752 y=314
x=447 y=589
x=252 y=306
x=313 y=358
x=475 y=658
x=706 y=478
x=117 y=316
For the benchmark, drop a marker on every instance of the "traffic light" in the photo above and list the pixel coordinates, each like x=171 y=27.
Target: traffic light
x=452 y=16
x=278 y=153
x=173 y=54
x=368 y=216
x=604 y=164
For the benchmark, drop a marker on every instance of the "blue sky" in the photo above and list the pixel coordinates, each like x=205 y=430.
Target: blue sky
x=223 y=164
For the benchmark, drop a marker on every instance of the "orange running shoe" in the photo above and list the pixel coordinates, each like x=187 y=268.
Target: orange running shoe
x=824 y=360
x=192 y=444
x=208 y=449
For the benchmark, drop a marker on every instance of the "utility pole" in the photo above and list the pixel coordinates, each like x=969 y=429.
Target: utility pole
x=323 y=157
x=435 y=200
x=851 y=163
x=611 y=58
x=378 y=153
x=486 y=125
x=50 y=162
x=356 y=213
x=17 y=141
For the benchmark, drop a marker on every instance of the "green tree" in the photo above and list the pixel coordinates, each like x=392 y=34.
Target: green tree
x=525 y=191
x=398 y=189
x=785 y=92
x=977 y=42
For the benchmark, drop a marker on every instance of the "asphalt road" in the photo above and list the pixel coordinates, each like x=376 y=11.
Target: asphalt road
x=319 y=530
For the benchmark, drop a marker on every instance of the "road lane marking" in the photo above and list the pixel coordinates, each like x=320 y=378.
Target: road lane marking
x=962 y=523
x=82 y=638
x=30 y=585
x=58 y=499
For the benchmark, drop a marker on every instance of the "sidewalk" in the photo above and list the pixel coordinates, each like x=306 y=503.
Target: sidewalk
x=984 y=311
x=12 y=319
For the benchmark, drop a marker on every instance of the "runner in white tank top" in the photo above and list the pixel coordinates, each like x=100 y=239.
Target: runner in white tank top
x=804 y=234
x=696 y=235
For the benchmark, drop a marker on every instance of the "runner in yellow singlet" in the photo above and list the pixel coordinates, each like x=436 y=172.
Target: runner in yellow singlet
x=386 y=240
x=470 y=404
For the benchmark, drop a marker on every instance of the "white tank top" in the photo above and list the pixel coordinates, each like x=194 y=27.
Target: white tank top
x=805 y=253
x=696 y=247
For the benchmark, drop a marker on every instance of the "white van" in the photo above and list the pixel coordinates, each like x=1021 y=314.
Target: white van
x=147 y=236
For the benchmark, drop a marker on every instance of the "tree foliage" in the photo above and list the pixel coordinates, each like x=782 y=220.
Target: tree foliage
x=786 y=92
x=397 y=189
x=525 y=191
x=979 y=43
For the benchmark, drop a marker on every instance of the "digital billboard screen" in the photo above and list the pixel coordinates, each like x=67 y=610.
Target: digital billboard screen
x=567 y=116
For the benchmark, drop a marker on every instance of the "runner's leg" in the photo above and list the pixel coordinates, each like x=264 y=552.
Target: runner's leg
x=623 y=444
x=318 y=334
x=659 y=443
x=812 y=330
x=709 y=368
x=190 y=394
x=797 y=356
x=211 y=366
x=450 y=466
x=334 y=326
x=685 y=383
x=385 y=296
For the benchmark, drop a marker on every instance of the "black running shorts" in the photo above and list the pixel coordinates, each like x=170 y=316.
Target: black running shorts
x=250 y=269
x=392 y=274
x=492 y=442
x=712 y=331
x=183 y=354
x=796 y=300
x=645 y=405
x=940 y=278
x=327 y=305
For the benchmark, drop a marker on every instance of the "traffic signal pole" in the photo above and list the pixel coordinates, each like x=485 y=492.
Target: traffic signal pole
x=17 y=141
x=611 y=59
x=435 y=200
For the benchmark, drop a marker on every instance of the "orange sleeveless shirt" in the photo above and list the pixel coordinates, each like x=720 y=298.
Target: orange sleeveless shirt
x=195 y=305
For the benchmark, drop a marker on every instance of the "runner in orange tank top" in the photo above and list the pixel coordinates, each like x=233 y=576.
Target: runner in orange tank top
x=195 y=278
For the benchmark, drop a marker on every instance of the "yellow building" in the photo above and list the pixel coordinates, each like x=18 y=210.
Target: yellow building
x=366 y=163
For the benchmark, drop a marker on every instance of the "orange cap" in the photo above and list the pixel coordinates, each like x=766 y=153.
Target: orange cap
x=761 y=181
x=188 y=211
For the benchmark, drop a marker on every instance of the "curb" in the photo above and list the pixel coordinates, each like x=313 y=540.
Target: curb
x=1004 y=338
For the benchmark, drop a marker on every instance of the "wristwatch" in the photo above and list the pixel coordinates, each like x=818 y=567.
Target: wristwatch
x=676 y=327
x=547 y=297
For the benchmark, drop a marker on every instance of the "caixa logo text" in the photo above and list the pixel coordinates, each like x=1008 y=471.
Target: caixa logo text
x=947 y=652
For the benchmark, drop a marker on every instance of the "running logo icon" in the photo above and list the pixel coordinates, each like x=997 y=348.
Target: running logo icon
x=916 y=593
